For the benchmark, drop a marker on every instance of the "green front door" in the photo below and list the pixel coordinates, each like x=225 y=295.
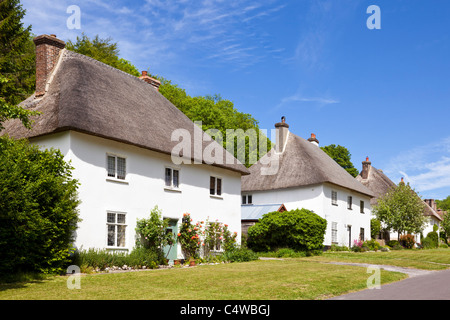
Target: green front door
x=170 y=251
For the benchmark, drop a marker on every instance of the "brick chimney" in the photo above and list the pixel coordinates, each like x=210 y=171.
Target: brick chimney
x=431 y=203
x=48 y=48
x=366 y=165
x=155 y=83
x=313 y=139
x=282 y=130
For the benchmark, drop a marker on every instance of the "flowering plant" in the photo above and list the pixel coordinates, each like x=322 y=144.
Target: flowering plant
x=189 y=237
x=151 y=232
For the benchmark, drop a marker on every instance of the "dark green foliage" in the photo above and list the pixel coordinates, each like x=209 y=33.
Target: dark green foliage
x=217 y=113
x=17 y=63
x=240 y=255
x=431 y=241
x=103 y=50
x=301 y=230
x=342 y=156
x=38 y=208
x=375 y=227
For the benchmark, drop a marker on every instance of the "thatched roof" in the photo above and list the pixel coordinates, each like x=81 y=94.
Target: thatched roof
x=380 y=184
x=91 y=97
x=377 y=182
x=301 y=164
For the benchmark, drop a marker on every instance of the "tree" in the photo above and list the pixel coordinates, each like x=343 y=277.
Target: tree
x=445 y=224
x=401 y=210
x=342 y=156
x=38 y=208
x=444 y=204
x=103 y=50
x=217 y=113
x=17 y=63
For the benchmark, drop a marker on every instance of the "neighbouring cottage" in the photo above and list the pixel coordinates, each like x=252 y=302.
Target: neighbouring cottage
x=375 y=180
x=298 y=174
x=116 y=130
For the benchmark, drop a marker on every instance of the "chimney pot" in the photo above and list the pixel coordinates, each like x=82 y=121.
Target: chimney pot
x=313 y=139
x=366 y=165
x=48 y=48
x=155 y=83
x=282 y=130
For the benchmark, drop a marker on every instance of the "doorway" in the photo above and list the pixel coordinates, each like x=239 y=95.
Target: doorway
x=170 y=251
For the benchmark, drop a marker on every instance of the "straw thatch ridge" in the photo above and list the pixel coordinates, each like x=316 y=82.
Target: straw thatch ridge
x=301 y=164
x=377 y=182
x=91 y=97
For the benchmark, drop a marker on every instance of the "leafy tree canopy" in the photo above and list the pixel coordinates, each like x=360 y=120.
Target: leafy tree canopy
x=401 y=210
x=17 y=63
x=342 y=156
x=104 y=50
x=444 y=204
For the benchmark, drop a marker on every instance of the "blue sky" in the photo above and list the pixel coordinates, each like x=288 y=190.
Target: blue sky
x=380 y=93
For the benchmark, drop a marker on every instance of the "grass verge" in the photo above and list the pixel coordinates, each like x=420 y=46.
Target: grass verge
x=287 y=279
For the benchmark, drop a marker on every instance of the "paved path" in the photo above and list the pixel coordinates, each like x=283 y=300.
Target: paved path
x=421 y=285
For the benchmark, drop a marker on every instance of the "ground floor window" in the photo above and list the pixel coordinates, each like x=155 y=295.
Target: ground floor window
x=334 y=232
x=116 y=225
x=361 y=234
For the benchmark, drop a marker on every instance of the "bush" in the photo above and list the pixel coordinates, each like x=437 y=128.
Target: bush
x=407 y=241
x=392 y=243
x=100 y=259
x=151 y=233
x=38 y=208
x=371 y=245
x=301 y=230
x=336 y=248
x=240 y=255
x=431 y=240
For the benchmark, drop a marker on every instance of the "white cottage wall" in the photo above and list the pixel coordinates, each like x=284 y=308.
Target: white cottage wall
x=143 y=188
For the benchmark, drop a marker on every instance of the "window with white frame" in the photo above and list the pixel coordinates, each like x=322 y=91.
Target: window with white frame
x=116 y=225
x=361 y=206
x=215 y=186
x=247 y=199
x=116 y=167
x=172 y=178
x=334 y=232
x=349 y=202
x=334 y=198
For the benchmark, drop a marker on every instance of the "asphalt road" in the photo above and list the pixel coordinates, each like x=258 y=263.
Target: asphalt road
x=421 y=285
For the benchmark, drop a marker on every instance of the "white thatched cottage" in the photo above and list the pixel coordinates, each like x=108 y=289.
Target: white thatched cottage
x=116 y=129
x=304 y=176
x=377 y=181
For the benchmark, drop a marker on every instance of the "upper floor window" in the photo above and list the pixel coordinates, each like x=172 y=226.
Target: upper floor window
x=247 y=199
x=334 y=198
x=117 y=167
x=172 y=178
x=215 y=186
x=349 y=202
x=361 y=206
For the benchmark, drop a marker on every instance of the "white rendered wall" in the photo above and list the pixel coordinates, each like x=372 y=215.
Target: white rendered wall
x=143 y=188
x=317 y=198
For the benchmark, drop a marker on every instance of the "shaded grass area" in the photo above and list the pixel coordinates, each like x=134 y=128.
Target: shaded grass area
x=288 y=279
x=433 y=259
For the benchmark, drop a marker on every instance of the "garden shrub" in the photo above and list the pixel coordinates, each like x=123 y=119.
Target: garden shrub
x=407 y=241
x=371 y=245
x=301 y=230
x=240 y=255
x=38 y=208
x=431 y=240
x=392 y=243
x=336 y=248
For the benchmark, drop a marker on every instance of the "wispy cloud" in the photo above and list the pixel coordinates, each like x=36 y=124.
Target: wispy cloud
x=299 y=100
x=426 y=168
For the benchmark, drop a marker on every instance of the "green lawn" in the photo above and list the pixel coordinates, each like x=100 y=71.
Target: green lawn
x=289 y=279
x=311 y=278
x=436 y=259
